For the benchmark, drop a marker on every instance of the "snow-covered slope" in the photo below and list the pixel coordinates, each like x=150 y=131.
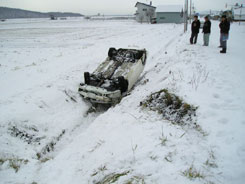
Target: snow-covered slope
x=46 y=136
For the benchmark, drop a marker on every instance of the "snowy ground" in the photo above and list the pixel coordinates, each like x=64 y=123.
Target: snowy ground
x=46 y=136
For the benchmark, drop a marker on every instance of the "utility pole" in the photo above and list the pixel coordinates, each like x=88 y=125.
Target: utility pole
x=190 y=10
x=185 y=15
x=240 y=15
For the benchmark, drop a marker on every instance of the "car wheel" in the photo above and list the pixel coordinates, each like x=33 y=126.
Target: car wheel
x=138 y=55
x=123 y=84
x=112 y=52
x=86 y=77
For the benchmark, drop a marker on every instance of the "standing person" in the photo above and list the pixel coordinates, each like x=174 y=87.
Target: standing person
x=224 y=33
x=206 y=31
x=195 y=26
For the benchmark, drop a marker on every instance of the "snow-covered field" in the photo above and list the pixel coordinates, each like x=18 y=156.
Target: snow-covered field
x=47 y=138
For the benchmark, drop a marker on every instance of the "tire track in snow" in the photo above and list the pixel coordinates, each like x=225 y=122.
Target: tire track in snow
x=158 y=54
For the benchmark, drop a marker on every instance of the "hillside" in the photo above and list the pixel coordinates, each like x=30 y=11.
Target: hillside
x=12 y=13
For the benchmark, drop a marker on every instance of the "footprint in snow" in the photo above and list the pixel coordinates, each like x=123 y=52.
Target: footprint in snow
x=221 y=134
x=228 y=101
x=214 y=106
x=216 y=96
x=223 y=121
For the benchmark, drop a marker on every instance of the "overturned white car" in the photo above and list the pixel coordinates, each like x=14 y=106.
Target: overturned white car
x=114 y=77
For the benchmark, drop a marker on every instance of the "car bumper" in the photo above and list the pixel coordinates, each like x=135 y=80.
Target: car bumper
x=99 y=95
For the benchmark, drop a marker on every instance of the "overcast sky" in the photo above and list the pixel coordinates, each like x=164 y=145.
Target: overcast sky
x=108 y=7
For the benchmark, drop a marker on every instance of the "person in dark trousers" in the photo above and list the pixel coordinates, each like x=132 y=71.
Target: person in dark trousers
x=224 y=33
x=195 y=26
x=206 y=31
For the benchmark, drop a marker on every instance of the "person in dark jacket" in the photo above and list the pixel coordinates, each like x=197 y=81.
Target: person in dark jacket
x=206 y=31
x=224 y=33
x=195 y=26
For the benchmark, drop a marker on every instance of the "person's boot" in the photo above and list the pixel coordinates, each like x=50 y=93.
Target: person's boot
x=191 y=41
x=223 y=51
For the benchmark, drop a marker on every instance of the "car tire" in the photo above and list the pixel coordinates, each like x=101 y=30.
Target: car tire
x=138 y=55
x=123 y=84
x=112 y=52
x=87 y=78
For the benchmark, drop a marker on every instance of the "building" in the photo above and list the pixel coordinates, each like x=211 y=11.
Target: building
x=145 y=12
x=229 y=14
x=239 y=14
x=169 y=14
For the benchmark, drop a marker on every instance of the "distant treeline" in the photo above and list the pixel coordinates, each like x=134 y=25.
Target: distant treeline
x=12 y=13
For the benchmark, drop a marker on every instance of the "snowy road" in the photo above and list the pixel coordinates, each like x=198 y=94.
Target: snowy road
x=41 y=65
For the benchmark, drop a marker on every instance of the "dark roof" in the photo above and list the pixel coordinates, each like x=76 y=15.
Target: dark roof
x=144 y=4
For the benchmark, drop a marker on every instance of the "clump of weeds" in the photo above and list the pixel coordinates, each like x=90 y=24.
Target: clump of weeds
x=173 y=108
x=170 y=106
x=193 y=173
x=112 y=178
x=14 y=163
x=49 y=147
